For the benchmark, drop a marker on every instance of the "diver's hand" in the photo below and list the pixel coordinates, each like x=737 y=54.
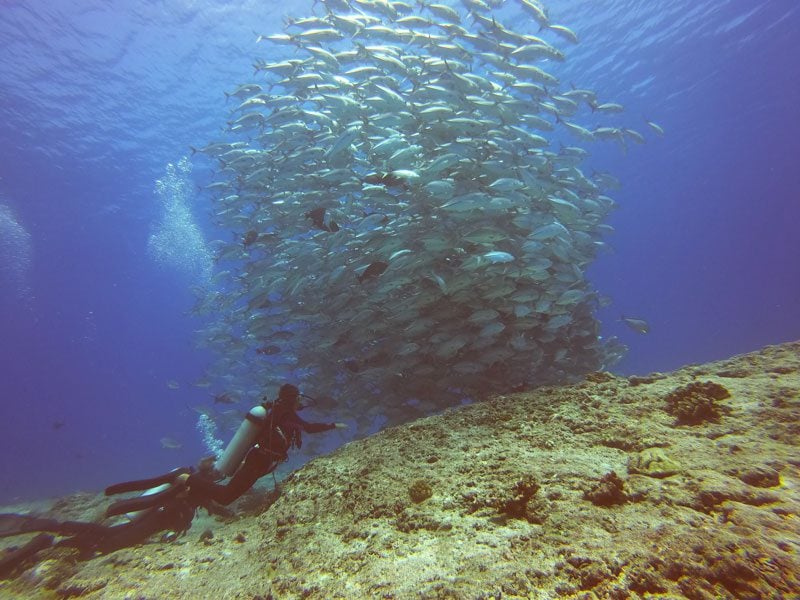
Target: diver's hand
x=340 y=425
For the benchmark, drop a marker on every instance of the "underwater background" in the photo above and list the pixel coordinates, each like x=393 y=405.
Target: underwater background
x=97 y=352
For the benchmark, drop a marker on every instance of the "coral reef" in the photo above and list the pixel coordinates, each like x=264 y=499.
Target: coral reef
x=588 y=491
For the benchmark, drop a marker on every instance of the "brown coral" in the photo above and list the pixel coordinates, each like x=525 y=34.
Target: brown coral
x=521 y=503
x=607 y=492
x=697 y=402
x=419 y=491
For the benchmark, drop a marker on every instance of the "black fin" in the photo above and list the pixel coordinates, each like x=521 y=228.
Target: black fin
x=145 y=484
x=10 y=560
x=143 y=502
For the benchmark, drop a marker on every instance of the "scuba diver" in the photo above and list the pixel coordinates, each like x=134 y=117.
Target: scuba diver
x=169 y=501
x=268 y=432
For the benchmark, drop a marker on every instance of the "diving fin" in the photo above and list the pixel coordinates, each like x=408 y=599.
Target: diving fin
x=16 y=524
x=146 y=484
x=13 y=558
x=144 y=501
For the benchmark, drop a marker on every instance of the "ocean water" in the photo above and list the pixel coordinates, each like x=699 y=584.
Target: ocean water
x=100 y=100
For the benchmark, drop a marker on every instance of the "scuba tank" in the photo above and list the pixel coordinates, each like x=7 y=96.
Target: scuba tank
x=242 y=441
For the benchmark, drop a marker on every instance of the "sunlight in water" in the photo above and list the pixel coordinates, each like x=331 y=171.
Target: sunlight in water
x=16 y=252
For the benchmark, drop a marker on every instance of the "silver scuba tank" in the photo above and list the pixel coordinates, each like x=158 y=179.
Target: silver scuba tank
x=242 y=441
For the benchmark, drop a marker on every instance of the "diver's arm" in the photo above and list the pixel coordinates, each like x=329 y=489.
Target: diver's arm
x=315 y=427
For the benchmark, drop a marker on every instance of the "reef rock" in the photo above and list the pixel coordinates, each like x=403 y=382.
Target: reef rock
x=587 y=491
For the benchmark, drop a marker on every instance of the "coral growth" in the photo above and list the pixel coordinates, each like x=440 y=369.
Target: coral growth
x=697 y=403
x=607 y=492
x=419 y=491
x=653 y=462
x=521 y=503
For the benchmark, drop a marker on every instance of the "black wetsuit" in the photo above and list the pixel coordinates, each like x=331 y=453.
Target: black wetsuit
x=171 y=510
x=93 y=538
x=282 y=431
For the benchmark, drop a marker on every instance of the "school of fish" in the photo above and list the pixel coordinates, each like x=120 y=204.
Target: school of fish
x=410 y=221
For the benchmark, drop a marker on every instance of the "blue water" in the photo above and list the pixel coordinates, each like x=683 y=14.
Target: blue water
x=96 y=98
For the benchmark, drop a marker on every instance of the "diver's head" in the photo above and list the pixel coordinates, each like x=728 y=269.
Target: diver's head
x=288 y=395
